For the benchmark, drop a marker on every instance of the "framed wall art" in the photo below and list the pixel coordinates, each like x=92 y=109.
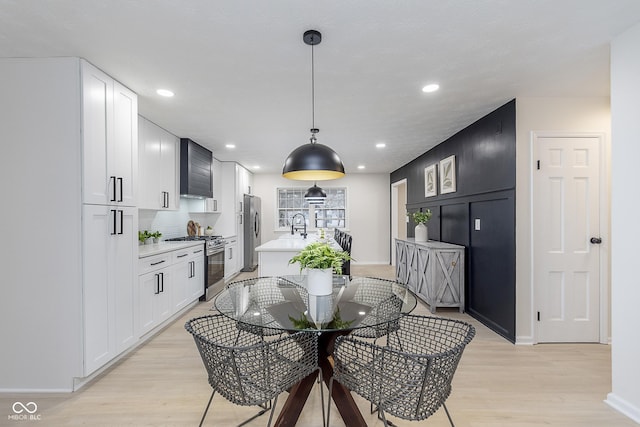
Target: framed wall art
x=448 y=175
x=430 y=181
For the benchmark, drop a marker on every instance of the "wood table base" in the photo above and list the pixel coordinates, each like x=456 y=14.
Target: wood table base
x=341 y=395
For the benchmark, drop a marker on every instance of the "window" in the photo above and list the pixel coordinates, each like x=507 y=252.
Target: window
x=331 y=214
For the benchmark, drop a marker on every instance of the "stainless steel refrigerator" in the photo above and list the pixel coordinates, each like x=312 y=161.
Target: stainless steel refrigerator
x=252 y=222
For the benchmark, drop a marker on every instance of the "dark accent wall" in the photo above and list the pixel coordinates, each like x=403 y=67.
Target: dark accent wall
x=485 y=179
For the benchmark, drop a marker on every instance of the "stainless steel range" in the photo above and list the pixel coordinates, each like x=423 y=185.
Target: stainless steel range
x=213 y=263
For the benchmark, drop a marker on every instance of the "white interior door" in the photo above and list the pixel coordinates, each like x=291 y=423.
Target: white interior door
x=398 y=215
x=566 y=258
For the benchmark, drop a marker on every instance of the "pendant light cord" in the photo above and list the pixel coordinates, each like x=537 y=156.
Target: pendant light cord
x=313 y=93
x=313 y=99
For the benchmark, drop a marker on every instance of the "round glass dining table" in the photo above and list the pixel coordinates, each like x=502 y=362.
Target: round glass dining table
x=284 y=303
x=366 y=306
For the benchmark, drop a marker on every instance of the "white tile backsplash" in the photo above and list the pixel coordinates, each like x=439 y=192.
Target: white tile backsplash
x=174 y=223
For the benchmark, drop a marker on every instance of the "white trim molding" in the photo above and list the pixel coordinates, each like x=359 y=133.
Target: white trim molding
x=623 y=407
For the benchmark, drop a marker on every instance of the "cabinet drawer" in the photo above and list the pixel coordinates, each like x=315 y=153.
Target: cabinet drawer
x=187 y=253
x=145 y=265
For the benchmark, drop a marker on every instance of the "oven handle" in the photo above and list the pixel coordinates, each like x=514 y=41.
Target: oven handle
x=215 y=251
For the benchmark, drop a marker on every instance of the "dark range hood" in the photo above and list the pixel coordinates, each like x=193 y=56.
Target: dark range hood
x=196 y=170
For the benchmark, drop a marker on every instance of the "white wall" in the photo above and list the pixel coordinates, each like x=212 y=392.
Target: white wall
x=625 y=234
x=367 y=211
x=562 y=115
x=41 y=302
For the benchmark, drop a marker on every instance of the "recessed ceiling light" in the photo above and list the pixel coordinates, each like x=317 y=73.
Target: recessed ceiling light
x=360 y=166
x=230 y=146
x=381 y=145
x=165 y=92
x=431 y=87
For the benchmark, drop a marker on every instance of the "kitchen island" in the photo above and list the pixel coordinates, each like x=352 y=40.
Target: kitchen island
x=274 y=255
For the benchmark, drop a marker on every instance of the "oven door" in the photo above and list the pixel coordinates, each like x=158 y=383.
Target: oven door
x=214 y=273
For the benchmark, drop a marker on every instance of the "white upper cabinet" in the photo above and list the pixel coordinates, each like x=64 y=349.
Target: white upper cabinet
x=158 y=167
x=109 y=139
x=215 y=204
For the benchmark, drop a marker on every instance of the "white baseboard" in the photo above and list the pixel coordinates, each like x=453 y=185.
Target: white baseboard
x=622 y=406
x=524 y=340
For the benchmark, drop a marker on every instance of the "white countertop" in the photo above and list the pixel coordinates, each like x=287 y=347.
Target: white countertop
x=293 y=244
x=162 y=247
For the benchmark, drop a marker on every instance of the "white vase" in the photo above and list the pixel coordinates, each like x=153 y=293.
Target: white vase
x=320 y=281
x=321 y=308
x=422 y=233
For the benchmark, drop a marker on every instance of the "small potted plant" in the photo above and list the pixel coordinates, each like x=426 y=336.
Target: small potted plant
x=421 y=218
x=143 y=236
x=320 y=260
x=156 y=236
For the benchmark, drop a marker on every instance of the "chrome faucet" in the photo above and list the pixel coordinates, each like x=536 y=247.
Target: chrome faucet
x=294 y=228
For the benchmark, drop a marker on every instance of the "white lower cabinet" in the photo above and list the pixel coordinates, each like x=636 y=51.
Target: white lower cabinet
x=167 y=283
x=231 y=258
x=197 y=279
x=109 y=293
x=189 y=276
x=155 y=287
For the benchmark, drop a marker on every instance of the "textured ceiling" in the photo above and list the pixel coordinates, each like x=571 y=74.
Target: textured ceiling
x=242 y=74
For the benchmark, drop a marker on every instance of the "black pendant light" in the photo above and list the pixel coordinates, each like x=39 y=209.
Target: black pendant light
x=315 y=195
x=313 y=161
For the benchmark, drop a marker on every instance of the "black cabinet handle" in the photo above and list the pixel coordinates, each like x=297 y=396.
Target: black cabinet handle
x=167 y=195
x=156 y=263
x=121 y=222
x=162 y=282
x=113 y=230
x=120 y=180
x=182 y=256
x=596 y=240
x=157 y=291
x=113 y=193
x=198 y=251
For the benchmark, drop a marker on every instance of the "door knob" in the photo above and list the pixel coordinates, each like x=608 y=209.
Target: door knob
x=596 y=240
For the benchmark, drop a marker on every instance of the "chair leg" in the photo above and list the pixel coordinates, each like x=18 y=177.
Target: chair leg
x=382 y=418
x=329 y=402
x=273 y=407
x=324 y=419
x=265 y=408
x=207 y=408
x=448 y=416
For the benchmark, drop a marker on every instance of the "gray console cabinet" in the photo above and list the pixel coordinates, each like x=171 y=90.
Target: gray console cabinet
x=434 y=271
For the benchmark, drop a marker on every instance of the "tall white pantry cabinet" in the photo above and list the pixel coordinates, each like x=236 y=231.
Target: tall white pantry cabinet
x=68 y=159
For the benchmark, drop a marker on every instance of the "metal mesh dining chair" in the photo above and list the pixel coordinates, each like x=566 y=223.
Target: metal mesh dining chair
x=410 y=378
x=256 y=295
x=386 y=305
x=248 y=368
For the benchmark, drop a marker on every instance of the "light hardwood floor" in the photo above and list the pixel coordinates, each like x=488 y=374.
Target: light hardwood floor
x=497 y=384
